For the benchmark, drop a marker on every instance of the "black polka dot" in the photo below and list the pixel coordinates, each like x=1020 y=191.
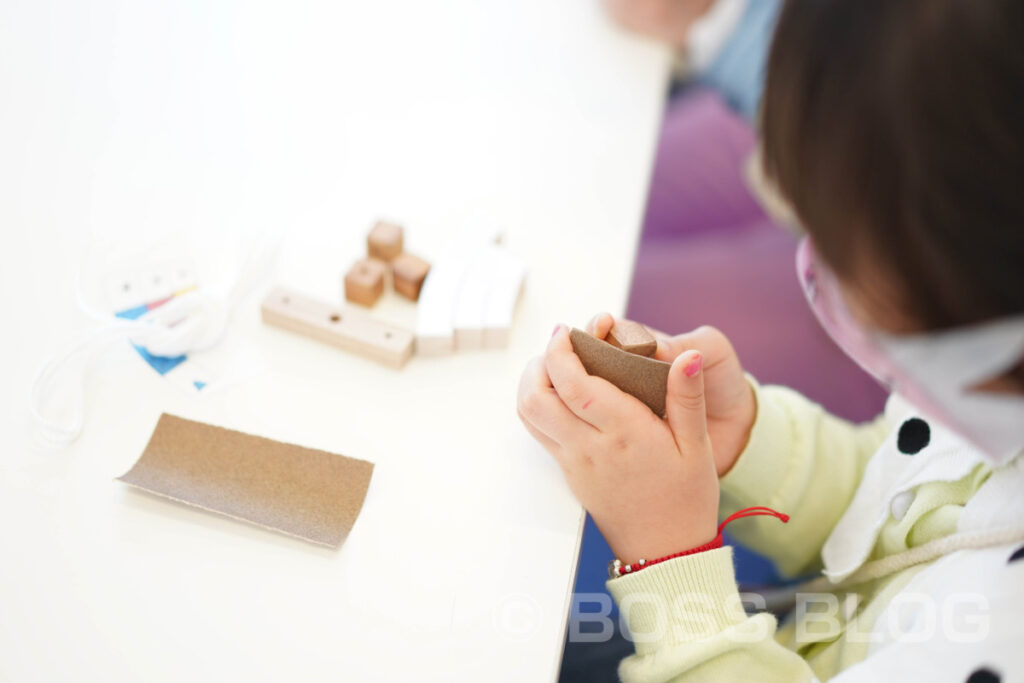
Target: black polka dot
x=983 y=675
x=914 y=435
x=1018 y=554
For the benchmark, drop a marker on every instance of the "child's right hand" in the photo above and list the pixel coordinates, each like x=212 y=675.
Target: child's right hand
x=729 y=398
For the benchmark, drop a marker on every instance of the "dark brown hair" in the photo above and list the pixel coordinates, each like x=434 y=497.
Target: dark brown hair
x=895 y=129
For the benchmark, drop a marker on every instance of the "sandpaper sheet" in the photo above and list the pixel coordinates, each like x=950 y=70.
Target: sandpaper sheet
x=302 y=492
x=644 y=378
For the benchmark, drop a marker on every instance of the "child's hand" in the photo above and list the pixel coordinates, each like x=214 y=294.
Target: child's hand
x=730 y=399
x=666 y=20
x=649 y=483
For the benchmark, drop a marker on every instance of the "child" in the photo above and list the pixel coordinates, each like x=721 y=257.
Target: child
x=895 y=131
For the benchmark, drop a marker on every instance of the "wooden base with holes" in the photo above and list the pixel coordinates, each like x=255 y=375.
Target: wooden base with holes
x=347 y=329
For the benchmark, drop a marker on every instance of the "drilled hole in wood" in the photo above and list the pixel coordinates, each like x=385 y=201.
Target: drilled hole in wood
x=335 y=318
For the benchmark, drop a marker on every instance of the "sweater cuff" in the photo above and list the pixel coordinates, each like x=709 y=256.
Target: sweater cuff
x=760 y=469
x=679 y=601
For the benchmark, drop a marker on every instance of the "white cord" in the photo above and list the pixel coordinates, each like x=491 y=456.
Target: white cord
x=193 y=321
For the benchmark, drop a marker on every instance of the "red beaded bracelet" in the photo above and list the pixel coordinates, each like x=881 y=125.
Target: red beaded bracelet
x=616 y=568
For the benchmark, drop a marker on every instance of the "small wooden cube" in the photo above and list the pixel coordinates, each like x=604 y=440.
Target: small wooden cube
x=385 y=241
x=633 y=337
x=364 y=282
x=409 y=272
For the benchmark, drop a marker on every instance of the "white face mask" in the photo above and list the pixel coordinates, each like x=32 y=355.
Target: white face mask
x=937 y=372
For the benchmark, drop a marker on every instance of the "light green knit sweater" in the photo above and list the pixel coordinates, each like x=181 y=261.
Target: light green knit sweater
x=686 y=616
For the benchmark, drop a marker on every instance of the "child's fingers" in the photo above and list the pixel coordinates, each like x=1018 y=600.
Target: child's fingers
x=540 y=404
x=592 y=399
x=549 y=444
x=600 y=325
x=704 y=339
x=686 y=413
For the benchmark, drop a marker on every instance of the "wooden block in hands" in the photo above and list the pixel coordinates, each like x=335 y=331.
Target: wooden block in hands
x=633 y=337
x=409 y=272
x=642 y=377
x=347 y=329
x=364 y=282
x=384 y=241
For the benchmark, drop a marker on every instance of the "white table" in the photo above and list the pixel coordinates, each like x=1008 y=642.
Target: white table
x=206 y=119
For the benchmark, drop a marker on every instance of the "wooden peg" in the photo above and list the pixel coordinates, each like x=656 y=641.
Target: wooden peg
x=633 y=337
x=384 y=241
x=409 y=272
x=364 y=282
x=345 y=328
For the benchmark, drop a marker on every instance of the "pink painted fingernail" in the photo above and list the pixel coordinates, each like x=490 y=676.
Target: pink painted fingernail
x=557 y=328
x=693 y=367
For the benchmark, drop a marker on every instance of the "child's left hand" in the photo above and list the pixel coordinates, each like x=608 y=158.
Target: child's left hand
x=650 y=484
